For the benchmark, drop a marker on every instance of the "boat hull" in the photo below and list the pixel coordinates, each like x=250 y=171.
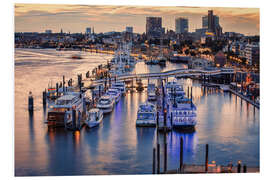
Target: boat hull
x=146 y=123
x=93 y=124
x=188 y=128
x=152 y=98
x=106 y=110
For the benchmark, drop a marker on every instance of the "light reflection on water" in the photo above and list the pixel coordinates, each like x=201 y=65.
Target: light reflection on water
x=230 y=126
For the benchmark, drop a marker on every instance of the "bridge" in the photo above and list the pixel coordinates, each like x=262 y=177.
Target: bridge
x=177 y=72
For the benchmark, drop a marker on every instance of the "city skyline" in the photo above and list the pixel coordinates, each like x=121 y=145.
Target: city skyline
x=75 y=18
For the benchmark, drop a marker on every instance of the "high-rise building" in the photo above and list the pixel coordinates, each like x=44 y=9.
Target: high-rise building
x=154 y=26
x=129 y=29
x=211 y=22
x=88 y=30
x=181 y=25
x=205 y=22
x=252 y=52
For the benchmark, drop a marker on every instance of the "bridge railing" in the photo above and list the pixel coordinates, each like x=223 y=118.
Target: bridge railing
x=184 y=72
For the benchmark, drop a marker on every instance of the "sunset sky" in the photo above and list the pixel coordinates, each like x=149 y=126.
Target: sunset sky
x=75 y=18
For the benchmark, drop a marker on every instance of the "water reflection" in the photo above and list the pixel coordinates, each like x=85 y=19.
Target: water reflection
x=31 y=126
x=117 y=146
x=189 y=145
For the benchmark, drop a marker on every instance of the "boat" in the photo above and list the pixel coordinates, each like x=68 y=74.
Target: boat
x=122 y=62
x=183 y=113
x=64 y=104
x=56 y=91
x=98 y=90
x=181 y=109
x=94 y=117
x=119 y=85
x=173 y=90
x=76 y=56
x=106 y=104
x=151 y=92
x=146 y=115
x=114 y=93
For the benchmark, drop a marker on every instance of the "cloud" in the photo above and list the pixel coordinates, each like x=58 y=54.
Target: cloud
x=118 y=16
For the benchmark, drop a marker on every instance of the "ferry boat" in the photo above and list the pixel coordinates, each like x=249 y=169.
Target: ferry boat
x=106 y=104
x=183 y=113
x=94 y=117
x=181 y=108
x=174 y=90
x=151 y=92
x=119 y=85
x=114 y=93
x=63 y=105
x=146 y=115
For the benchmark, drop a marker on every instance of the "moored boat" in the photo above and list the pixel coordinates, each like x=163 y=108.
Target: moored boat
x=63 y=105
x=151 y=92
x=106 y=104
x=146 y=115
x=114 y=93
x=183 y=113
x=119 y=85
x=180 y=108
x=94 y=117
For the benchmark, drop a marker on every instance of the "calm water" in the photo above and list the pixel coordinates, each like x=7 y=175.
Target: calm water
x=230 y=126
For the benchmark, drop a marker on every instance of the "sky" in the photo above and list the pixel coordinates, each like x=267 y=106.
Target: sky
x=75 y=18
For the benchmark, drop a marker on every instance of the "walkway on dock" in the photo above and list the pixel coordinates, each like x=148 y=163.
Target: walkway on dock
x=245 y=98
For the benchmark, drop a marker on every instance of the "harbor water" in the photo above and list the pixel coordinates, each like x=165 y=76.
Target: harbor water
x=228 y=124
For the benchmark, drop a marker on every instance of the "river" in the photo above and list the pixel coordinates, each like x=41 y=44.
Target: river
x=228 y=124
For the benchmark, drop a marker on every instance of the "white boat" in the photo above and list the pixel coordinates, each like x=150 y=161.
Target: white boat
x=106 y=104
x=151 y=92
x=171 y=84
x=94 y=117
x=63 y=105
x=115 y=93
x=146 y=115
x=119 y=85
x=181 y=108
x=183 y=113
